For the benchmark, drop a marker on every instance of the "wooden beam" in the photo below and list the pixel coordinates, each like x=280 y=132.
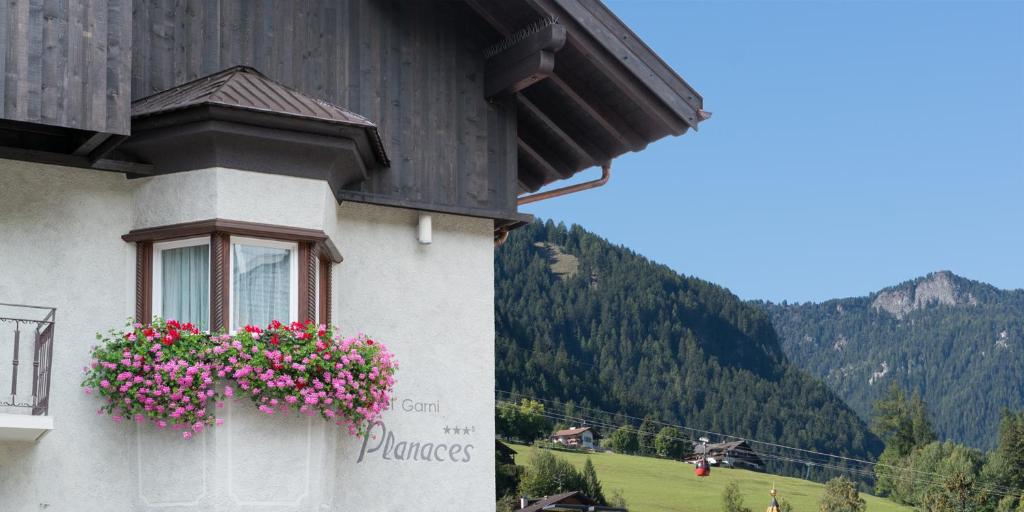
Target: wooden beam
x=518 y=76
x=549 y=170
x=624 y=79
x=628 y=50
x=48 y=157
x=90 y=143
x=592 y=111
x=525 y=105
x=524 y=63
x=106 y=147
x=481 y=10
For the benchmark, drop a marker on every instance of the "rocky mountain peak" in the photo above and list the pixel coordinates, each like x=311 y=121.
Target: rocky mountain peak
x=937 y=288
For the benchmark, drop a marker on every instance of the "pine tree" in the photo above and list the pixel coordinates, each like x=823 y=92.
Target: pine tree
x=893 y=421
x=591 y=485
x=923 y=433
x=646 y=436
x=1006 y=464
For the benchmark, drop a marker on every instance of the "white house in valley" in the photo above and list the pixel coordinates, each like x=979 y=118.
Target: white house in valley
x=226 y=162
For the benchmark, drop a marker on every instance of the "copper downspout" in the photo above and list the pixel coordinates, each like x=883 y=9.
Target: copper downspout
x=606 y=172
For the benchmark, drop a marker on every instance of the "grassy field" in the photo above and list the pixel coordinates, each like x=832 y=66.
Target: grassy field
x=657 y=485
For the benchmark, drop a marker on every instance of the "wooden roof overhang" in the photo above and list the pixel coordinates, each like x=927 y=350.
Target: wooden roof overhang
x=586 y=88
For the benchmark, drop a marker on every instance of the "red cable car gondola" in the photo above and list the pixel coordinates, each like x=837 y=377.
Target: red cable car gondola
x=703 y=468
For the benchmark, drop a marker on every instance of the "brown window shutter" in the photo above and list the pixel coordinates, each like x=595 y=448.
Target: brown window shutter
x=220 y=272
x=144 y=282
x=325 y=289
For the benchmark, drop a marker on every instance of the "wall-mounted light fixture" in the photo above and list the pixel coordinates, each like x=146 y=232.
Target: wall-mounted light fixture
x=425 y=231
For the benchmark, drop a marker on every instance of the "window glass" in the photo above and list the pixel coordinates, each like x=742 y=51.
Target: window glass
x=262 y=282
x=184 y=283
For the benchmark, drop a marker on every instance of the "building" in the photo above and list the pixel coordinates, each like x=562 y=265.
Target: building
x=576 y=437
x=734 y=454
x=504 y=453
x=565 y=502
x=223 y=162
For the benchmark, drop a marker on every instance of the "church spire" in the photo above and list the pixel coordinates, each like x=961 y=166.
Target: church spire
x=774 y=506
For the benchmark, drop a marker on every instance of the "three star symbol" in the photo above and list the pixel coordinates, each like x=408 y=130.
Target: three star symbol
x=458 y=431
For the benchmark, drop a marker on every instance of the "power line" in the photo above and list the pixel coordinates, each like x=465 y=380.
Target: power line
x=938 y=478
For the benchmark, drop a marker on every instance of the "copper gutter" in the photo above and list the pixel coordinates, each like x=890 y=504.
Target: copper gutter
x=606 y=172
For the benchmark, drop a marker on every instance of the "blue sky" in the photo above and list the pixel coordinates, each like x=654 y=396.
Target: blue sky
x=854 y=145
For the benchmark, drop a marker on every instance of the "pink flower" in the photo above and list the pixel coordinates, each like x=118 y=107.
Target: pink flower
x=187 y=435
x=229 y=391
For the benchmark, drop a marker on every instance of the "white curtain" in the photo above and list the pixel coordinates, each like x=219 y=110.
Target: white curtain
x=262 y=284
x=185 y=286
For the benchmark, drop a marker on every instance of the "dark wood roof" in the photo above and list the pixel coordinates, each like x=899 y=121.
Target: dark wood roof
x=573 y=497
x=503 y=448
x=608 y=93
x=566 y=501
x=242 y=87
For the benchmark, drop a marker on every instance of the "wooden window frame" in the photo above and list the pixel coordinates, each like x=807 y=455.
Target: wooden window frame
x=316 y=256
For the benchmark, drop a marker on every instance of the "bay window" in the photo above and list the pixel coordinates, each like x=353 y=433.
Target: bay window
x=222 y=275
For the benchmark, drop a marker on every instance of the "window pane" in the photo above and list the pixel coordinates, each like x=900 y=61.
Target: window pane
x=185 y=284
x=262 y=284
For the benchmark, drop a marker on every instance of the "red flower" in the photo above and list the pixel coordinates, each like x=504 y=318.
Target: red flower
x=171 y=337
x=369 y=342
x=274 y=324
x=278 y=366
x=299 y=384
x=274 y=340
x=148 y=332
x=174 y=324
x=321 y=346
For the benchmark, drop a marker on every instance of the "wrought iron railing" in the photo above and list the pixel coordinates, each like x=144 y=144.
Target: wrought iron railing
x=26 y=333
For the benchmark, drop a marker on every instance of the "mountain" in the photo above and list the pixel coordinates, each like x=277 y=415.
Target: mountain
x=958 y=342
x=592 y=325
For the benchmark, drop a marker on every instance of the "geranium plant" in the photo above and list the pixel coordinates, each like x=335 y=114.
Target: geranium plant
x=307 y=368
x=167 y=373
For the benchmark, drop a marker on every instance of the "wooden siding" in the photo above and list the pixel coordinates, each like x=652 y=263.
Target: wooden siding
x=416 y=69
x=66 y=63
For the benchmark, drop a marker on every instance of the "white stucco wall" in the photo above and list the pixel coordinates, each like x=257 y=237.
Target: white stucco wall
x=432 y=305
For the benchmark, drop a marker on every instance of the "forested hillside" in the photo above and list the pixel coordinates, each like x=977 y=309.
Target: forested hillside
x=959 y=343
x=594 y=325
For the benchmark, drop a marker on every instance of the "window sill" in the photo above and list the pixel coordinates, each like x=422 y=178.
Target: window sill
x=23 y=427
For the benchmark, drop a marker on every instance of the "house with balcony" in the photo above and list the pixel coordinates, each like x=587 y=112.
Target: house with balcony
x=576 y=437
x=346 y=162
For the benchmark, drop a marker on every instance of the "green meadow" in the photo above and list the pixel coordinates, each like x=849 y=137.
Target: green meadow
x=658 y=485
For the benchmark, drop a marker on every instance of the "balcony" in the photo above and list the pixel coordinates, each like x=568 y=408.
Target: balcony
x=26 y=347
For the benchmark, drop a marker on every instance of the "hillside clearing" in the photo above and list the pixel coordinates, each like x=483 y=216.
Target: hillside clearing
x=659 y=485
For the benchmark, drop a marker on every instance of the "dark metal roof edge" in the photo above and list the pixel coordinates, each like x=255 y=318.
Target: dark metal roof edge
x=372 y=135
x=360 y=121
